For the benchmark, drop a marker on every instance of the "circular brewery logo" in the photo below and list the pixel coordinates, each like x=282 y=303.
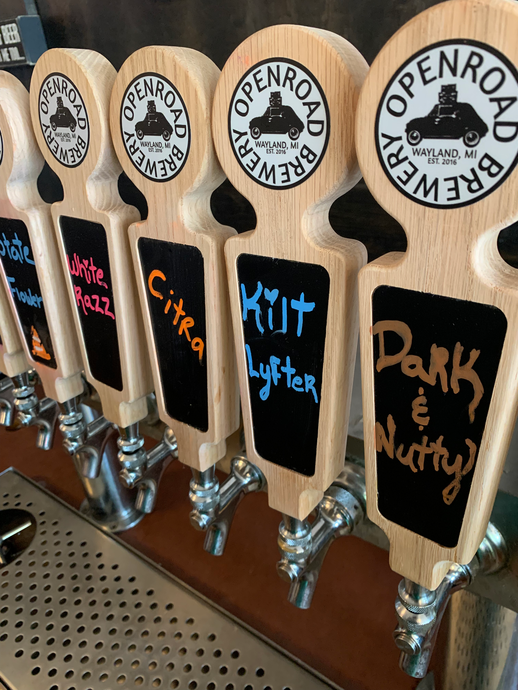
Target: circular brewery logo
x=447 y=124
x=155 y=127
x=64 y=120
x=278 y=123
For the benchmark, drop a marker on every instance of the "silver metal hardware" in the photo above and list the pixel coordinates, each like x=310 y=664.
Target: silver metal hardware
x=294 y=543
x=132 y=455
x=91 y=441
x=501 y=588
x=420 y=611
x=142 y=469
x=72 y=426
x=214 y=505
x=85 y=442
x=6 y=402
x=42 y=414
x=304 y=545
x=90 y=453
x=204 y=497
x=106 y=617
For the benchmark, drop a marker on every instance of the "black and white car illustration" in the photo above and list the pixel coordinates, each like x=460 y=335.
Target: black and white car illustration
x=62 y=117
x=154 y=124
x=448 y=119
x=277 y=119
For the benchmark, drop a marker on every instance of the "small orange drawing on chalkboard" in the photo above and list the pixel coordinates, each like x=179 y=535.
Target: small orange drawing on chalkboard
x=38 y=349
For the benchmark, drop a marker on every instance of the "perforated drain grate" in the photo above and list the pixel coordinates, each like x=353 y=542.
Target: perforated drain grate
x=80 y=611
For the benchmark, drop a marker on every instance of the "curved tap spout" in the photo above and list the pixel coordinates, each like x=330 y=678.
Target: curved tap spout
x=304 y=546
x=214 y=506
x=109 y=504
x=90 y=453
x=85 y=442
x=42 y=414
x=143 y=469
x=420 y=610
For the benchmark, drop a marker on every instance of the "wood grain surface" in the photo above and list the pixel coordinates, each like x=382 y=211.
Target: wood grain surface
x=453 y=253
x=20 y=201
x=179 y=217
x=292 y=224
x=91 y=194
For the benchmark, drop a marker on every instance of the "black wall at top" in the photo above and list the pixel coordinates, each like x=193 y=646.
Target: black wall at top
x=116 y=28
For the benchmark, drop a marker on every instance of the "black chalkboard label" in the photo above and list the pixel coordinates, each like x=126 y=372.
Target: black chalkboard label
x=175 y=288
x=89 y=270
x=284 y=317
x=435 y=365
x=20 y=270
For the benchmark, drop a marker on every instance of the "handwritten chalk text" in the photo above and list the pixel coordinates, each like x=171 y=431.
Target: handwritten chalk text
x=86 y=269
x=197 y=344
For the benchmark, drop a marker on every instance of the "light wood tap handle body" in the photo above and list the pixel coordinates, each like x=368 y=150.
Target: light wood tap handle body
x=30 y=267
x=70 y=95
x=283 y=125
x=160 y=118
x=437 y=138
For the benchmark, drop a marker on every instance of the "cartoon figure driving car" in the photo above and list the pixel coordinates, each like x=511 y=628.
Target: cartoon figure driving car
x=62 y=117
x=277 y=119
x=154 y=124
x=448 y=119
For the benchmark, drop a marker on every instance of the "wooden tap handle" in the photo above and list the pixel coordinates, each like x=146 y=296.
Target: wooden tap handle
x=160 y=118
x=437 y=138
x=283 y=125
x=29 y=261
x=70 y=94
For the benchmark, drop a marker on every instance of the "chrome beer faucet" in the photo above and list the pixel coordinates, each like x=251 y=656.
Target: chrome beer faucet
x=30 y=411
x=420 y=610
x=84 y=441
x=141 y=470
x=91 y=441
x=214 y=505
x=304 y=545
x=144 y=469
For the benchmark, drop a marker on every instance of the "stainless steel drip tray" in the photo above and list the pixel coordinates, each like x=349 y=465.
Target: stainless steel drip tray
x=79 y=610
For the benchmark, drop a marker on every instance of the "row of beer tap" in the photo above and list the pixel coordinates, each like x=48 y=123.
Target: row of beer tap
x=180 y=312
